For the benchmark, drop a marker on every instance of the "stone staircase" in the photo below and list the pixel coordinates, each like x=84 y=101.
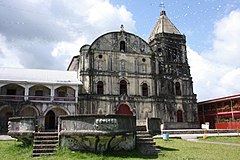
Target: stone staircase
x=45 y=143
x=145 y=143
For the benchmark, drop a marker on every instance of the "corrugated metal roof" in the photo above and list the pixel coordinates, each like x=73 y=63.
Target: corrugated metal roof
x=232 y=97
x=38 y=76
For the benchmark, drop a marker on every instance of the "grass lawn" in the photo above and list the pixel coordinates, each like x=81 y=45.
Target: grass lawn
x=174 y=149
x=223 y=139
x=177 y=149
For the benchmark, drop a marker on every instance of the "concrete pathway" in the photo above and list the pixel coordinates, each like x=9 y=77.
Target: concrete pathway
x=208 y=142
x=194 y=137
x=6 y=138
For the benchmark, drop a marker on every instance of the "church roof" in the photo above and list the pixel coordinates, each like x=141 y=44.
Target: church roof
x=39 y=76
x=164 y=25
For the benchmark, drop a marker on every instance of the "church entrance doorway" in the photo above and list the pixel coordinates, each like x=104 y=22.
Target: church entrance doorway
x=179 y=116
x=124 y=109
x=50 y=121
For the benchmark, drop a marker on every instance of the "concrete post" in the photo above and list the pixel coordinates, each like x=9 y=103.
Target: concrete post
x=26 y=92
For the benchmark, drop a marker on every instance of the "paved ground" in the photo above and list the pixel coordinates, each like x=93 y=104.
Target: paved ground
x=193 y=137
x=221 y=143
x=6 y=137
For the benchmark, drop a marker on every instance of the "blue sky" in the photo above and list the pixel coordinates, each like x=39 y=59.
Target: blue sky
x=194 y=18
x=46 y=34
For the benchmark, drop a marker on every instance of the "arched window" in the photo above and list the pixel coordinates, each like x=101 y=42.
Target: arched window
x=122 y=46
x=179 y=116
x=99 y=87
x=144 y=89
x=123 y=87
x=178 y=89
x=122 y=65
x=100 y=65
x=38 y=92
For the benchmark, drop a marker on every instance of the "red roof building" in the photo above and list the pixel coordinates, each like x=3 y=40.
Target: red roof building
x=221 y=113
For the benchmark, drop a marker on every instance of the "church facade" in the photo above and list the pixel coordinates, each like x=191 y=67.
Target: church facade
x=123 y=74
x=119 y=73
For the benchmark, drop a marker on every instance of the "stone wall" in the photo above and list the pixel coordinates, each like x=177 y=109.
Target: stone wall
x=97 y=133
x=182 y=125
x=153 y=125
x=22 y=128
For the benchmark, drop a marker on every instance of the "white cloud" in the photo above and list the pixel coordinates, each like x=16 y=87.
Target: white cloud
x=49 y=33
x=63 y=51
x=227 y=37
x=215 y=73
x=206 y=75
x=8 y=55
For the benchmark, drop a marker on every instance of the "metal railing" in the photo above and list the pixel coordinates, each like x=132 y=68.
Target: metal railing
x=37 y=98
x=68 y=99
x=12 y=97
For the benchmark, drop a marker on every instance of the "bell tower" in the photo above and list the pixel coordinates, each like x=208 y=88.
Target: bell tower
x=173 y=78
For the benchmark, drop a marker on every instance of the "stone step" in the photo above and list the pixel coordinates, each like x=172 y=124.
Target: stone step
x=45 y=141
x=42 y=154
x=148 y=138
x=142 y=132
x=141 y=128
x=44 y=150
x=151 y=152
x=146 y=142
x=39 y=146
x=157 y=149
x=148 y=147
x=142 y=138
x=144 y=135
x=44 y=133
x=45 y=137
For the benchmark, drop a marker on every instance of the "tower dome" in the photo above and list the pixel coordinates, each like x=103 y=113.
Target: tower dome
x=164 y=25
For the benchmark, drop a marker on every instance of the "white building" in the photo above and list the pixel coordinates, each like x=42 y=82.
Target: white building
x=44 y=94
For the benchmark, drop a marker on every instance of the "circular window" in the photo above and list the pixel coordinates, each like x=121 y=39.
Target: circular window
x=144 y=60
x=100 y=56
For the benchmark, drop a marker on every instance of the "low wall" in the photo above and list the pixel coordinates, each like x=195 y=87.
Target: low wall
x=97 y=133
x=141 y=122
x=153 y=125
x=198 y=131
x=22 y=128
x=180 y=125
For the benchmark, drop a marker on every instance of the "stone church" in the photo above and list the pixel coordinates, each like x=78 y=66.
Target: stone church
x=119 y=73
x=123 y=74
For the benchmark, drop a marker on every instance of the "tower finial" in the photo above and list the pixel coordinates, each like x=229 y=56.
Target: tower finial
x=162 y=6
x=122 y=27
